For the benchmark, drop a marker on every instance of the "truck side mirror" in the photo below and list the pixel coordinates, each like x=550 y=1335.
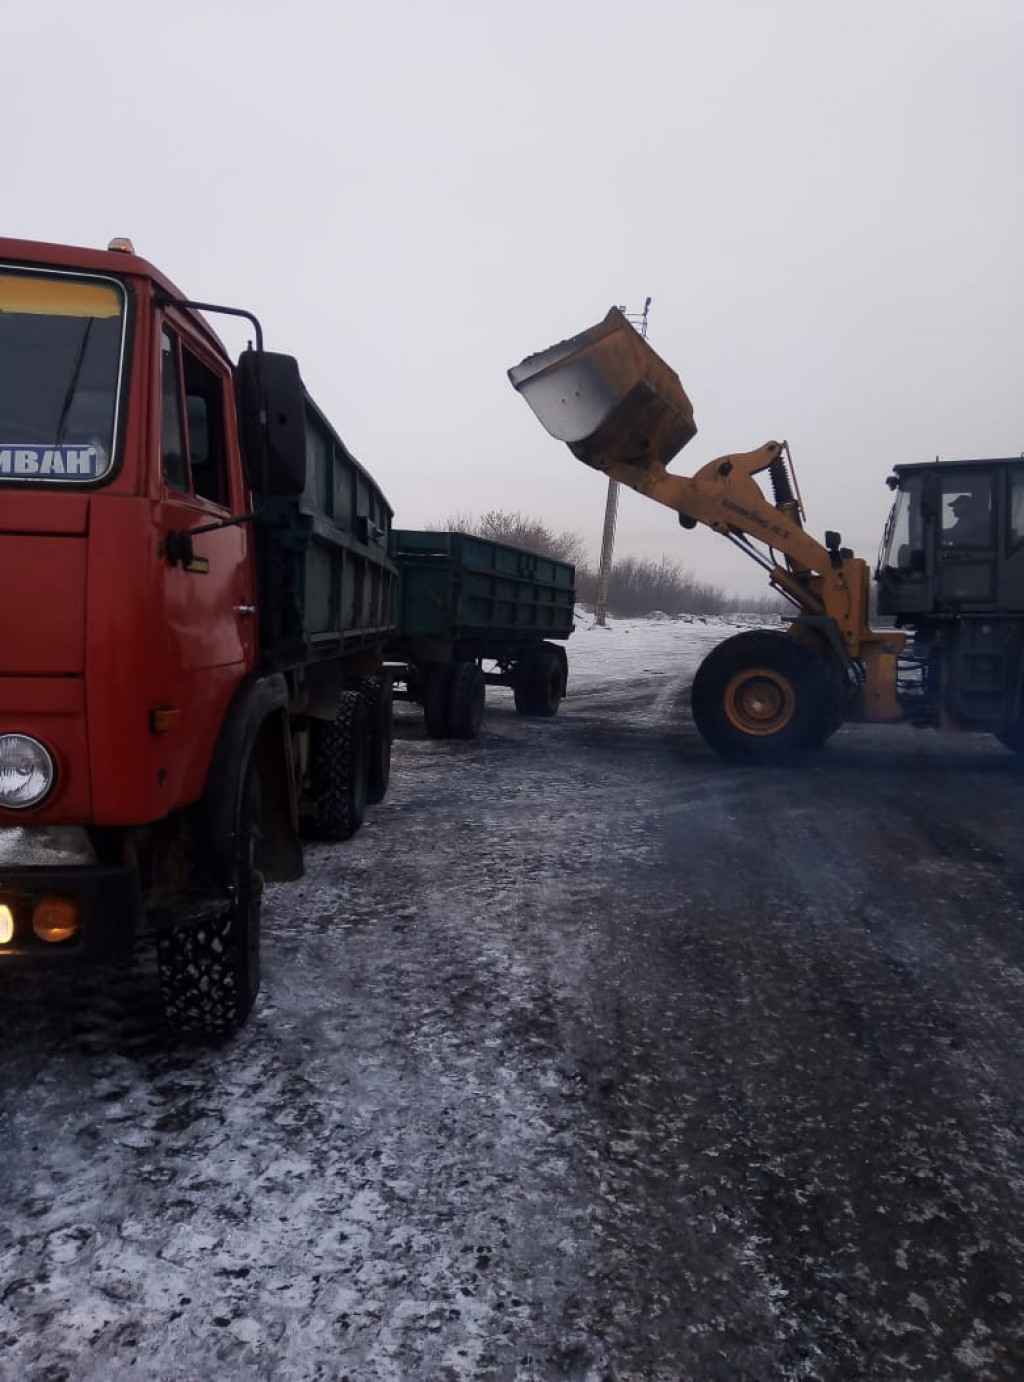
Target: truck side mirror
x=271 y=403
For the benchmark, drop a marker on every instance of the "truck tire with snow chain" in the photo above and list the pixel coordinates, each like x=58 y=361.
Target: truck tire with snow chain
x=209 y=970
x=340 y=770
x=378 y=693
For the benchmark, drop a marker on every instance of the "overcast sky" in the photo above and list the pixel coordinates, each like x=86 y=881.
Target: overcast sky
x=823 y=200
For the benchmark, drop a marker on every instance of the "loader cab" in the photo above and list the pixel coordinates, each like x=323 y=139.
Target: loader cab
x=954 y=542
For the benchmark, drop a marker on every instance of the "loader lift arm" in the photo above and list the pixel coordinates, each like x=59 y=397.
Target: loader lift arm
x=622 y=410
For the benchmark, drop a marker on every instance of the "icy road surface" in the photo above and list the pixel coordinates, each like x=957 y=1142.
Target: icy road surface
x=589 y=1058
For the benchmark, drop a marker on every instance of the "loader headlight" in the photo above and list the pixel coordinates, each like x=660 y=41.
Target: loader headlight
x=27 y=771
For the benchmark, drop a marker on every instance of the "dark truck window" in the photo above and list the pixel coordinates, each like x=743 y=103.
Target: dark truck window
x=61 y=353
x=966 y=513
x=204 y=409
x=1016 y=507
x=194 y=451
x=172 y=433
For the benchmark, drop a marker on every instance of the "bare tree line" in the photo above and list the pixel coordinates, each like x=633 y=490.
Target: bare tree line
x=638 y=585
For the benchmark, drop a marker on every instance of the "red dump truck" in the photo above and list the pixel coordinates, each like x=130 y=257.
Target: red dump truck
x=198 y=595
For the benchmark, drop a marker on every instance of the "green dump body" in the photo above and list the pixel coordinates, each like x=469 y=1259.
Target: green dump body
x=483 y=597
x=327 y=580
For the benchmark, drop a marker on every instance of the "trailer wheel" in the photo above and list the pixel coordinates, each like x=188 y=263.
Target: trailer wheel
x=340 y=770
x=761 y=697
x=1012 y=737
x=435 y=700
x=378 y=693
x=467 y=692
x=210 y=971
x=539 y=683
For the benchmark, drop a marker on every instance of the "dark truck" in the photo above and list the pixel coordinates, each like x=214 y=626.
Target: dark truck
x=191 y=652
x=473 y=613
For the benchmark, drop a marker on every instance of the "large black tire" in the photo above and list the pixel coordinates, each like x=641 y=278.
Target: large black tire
x=467 y=693
x=1012 y=737
x=538 y=685
x=340 y=770
x=378 y=693
x=763 y=697
x=210 y=972
x=435 y=700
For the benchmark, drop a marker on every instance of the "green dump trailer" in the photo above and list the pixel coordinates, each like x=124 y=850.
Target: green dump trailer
x=472 y=613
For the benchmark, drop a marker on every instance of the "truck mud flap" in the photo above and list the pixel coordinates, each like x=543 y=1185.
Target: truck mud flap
x=609 y=397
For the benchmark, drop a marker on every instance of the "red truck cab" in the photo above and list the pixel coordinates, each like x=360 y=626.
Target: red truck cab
x=130 y=712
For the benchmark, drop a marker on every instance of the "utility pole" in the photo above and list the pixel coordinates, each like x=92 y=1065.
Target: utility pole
x=611 y=507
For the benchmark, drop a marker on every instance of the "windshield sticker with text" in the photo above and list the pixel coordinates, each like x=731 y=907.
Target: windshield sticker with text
x=51 y=462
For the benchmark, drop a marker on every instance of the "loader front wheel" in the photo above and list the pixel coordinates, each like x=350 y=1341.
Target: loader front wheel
x=762 y=697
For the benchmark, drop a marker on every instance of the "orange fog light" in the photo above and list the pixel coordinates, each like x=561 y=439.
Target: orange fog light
x=55 y=918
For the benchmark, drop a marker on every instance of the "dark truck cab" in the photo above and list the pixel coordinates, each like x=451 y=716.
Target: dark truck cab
x=951 y=569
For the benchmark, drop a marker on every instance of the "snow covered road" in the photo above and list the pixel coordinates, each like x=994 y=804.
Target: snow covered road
x=590 y=1057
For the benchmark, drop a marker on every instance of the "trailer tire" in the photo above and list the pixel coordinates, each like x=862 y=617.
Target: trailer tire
x=1012 y=737
x=435 y=700
x=340 y=770
x=210 y=973
x=378 y=693
x=539 y=682
x=467 y=694
x=762 y=697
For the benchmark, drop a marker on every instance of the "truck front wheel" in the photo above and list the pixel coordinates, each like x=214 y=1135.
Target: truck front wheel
x=209 y=969
x=340 y=770
x=762 y=696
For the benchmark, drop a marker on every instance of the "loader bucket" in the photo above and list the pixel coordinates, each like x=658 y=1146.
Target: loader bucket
x=608 y=396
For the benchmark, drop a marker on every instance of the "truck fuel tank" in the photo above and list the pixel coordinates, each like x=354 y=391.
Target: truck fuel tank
x=608 y=396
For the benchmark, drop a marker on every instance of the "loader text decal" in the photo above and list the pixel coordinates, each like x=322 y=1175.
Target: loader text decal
x=50 y=462
x=755 y=520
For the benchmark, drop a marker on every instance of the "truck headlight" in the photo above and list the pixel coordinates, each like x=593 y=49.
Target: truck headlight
x=27 y=771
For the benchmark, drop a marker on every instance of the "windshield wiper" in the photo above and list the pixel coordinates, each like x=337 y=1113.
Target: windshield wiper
x=73 y=383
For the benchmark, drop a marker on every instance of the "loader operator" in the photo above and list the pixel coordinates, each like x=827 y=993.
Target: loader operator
x=971 y=526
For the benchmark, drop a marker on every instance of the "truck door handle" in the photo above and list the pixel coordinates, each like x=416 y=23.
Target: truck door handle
x=245 y=609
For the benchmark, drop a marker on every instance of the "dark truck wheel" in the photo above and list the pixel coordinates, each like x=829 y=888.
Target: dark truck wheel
x=435 y=699
x=210 y=969
x=378 y=693
x=761 y=697
x=340 y=770
x=466 y=695
x=1012 y=736
x=539 y=681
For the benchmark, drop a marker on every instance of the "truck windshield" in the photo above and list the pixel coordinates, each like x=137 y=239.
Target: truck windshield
x=61 y=352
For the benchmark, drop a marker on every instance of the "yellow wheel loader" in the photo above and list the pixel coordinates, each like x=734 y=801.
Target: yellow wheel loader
x=764 y=695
